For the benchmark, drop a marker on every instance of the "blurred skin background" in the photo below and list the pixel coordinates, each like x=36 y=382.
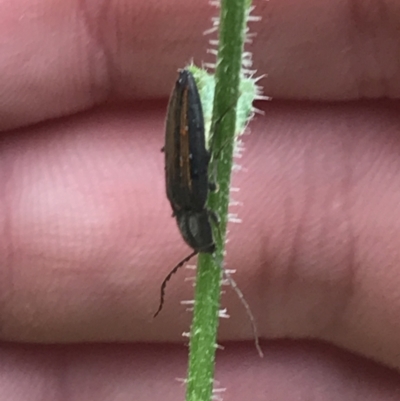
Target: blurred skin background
x=86 y=233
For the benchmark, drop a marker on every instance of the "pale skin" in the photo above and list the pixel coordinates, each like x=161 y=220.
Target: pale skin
x=86 y=231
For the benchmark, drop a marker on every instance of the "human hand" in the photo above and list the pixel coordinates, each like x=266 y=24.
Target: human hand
x=87 y=235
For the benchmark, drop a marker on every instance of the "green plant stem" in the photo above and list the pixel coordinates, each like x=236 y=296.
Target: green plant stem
x=209 y=268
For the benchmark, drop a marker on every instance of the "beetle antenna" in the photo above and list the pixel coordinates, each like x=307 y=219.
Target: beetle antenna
x=170 y=274
x=246 y=306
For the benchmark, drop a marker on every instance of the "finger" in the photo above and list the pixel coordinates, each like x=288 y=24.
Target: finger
x=87 y=213
x=61 y=58
x=320 y=224
x=88 y=237
x=330 y=50
x=58 y=58
x=148 y=372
